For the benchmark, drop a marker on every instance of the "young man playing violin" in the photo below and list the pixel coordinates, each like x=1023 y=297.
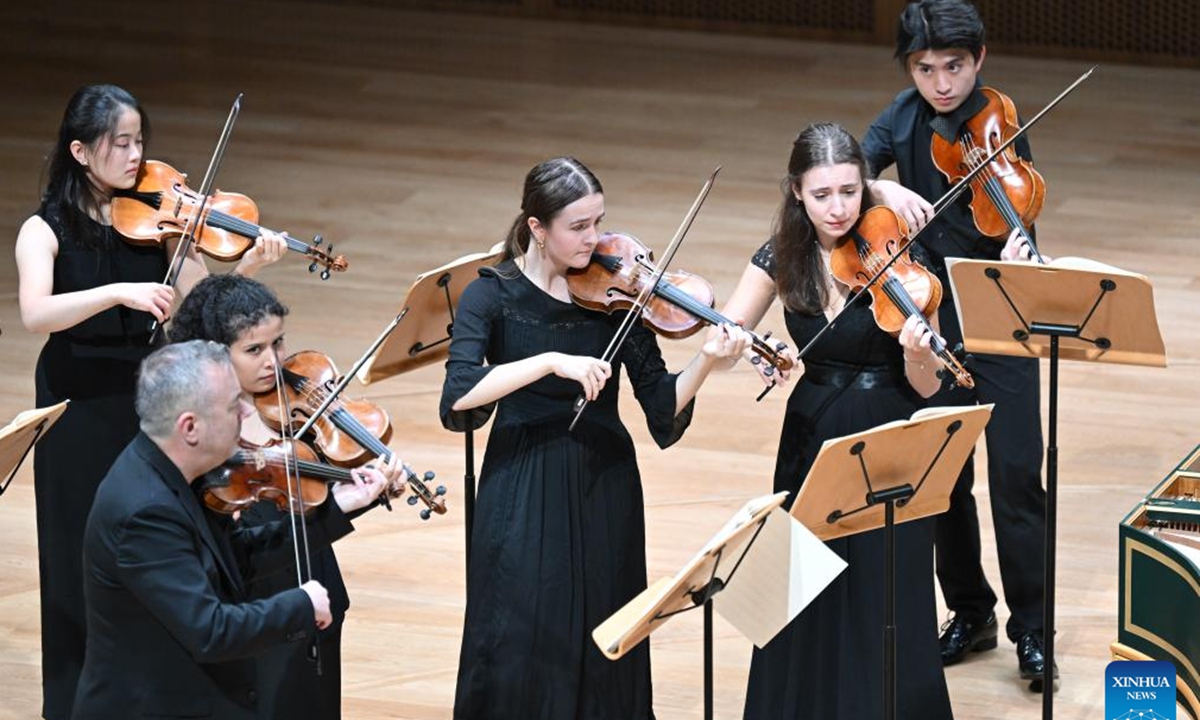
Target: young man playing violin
x=171 y=631
x=940 y=43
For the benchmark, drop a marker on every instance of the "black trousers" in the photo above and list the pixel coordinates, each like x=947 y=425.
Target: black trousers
x=1014 y=454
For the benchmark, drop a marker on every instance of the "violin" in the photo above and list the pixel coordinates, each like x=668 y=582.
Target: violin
x=160 y=206
x=870 y=244
x=682 y=303
x=350 y=432
x=1009 y=193
x=260 y=473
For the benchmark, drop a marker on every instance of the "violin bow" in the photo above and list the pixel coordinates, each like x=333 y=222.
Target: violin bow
x=635 y=312
x=195 y=222
x=944 y=202
x=294 y=490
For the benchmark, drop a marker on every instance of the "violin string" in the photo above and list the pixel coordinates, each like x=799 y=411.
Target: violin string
x=348 y=423
x=899 y=295
x=989 y=181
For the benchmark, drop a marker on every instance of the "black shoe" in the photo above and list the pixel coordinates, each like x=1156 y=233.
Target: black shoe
x=1032 y=661
x=961 y=636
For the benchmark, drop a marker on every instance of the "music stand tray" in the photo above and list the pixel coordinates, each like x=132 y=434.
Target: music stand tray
x=896 y=472
x=19 y=436
x=431 y=300
x=1073 y=308
x=711 y=571
x=1002 y=306
x=926 y=452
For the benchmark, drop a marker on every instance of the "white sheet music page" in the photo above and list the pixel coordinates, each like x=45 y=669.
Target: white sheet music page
x=784 y=570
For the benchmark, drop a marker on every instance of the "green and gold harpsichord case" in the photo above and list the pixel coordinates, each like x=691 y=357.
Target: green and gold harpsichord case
x=1159 y=599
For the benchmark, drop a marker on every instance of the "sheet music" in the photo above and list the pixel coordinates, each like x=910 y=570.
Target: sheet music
x=784 y=570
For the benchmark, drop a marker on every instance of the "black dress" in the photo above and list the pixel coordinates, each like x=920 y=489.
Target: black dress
x=828 y=662
x=94 y=365
x=559 y=533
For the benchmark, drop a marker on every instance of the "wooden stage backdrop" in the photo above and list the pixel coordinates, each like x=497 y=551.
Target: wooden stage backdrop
x=403 y=138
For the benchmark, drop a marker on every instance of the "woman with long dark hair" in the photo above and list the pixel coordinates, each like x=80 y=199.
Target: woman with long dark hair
x=559 y=534
x=828 y=662
x=95 y=295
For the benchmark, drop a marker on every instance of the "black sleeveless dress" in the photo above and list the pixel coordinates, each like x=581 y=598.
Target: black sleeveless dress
x=828 y=662
x=559 y=539
x=94 y=365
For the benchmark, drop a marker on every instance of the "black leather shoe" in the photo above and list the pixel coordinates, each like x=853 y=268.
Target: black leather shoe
x=961 y=636
x=1032 y=660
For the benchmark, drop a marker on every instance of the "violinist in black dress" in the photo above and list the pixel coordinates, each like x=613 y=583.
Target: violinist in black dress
x=96 y=295
x=559 y=533
x=828 y=662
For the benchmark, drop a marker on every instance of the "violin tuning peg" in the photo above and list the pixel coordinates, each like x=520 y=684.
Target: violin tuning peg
x=325 y=274
x=425 y=514
x=429 y=475
x=756 y=360
x=312 y=267
x=769 y=370
x=412 y=499
x=317 y=240
x=441 y=490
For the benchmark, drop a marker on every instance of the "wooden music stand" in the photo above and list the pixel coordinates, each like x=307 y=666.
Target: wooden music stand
x=431 y=299
x=708 y=573
x=425 y=339
x=1031 y=310
x=891 y=474
x=19 y=436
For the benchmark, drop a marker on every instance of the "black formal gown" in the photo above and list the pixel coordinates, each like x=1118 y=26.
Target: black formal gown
x=94 y=365
x=828 y=662
x=559 y=533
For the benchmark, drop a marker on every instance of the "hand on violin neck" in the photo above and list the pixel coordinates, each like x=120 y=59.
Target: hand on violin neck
x=268 y=248
x=370 y=481
x=915 y=210
x=916 y=338
x=1017 y=248
x=726 y=341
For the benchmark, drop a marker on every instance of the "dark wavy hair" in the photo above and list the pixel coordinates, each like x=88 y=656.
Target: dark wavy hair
x=800 y=276
x=91 y=118
x=938 y=25
x=221 y=307
x=549 y=187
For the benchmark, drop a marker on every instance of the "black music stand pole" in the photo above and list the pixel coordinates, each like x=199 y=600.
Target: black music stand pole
x=1116 y=307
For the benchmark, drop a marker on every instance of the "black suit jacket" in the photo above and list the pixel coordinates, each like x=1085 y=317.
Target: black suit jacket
x=170 y=631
